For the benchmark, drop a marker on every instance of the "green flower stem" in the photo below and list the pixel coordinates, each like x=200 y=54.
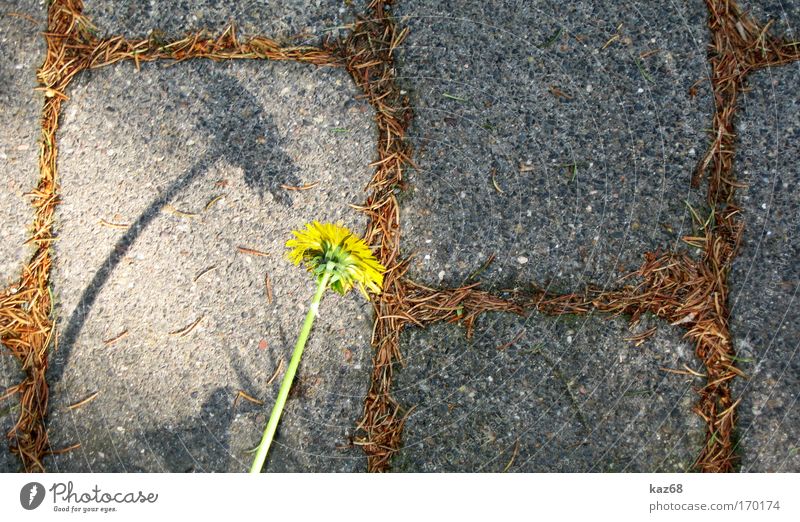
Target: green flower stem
x=286 y=384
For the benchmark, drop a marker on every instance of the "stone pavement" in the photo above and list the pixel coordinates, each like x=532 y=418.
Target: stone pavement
x=21 y=107
x=536 y=142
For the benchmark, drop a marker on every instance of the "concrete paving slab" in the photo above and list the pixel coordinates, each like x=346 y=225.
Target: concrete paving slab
x=20 y=109
x=548 y=141
x=152 y=151
x=785 y=16
x=568 y=396
x=591 y=148
x=23 y=52
x=174 y=18
x=764 y=283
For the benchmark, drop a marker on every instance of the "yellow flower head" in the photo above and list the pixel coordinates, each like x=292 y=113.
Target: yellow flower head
x=333 y=248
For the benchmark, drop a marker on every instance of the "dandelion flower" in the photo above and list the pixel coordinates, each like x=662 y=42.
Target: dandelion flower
x=339 y=260
x=325 y=247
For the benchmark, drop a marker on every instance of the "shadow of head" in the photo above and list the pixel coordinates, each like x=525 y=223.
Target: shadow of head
x=242 y=134
x=236 y=130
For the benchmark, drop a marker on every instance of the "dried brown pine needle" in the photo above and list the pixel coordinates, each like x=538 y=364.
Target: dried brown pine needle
x=203 y=272
x=242 y=395
x=113 y=340
x=640 y=338
x=276 y=373
x=268 y=288
x=524 y=167
x=169 y=209
x=486 y=264
x=558 y=93
x=23 y=16
x=186 y=330
x=251 y=251
x=617 y=35
x=8 y=392
x=61 y=451
x=513 y=456
x=83 y=402
x=512 y=342
x=307 y=186
x=685 y=371
x=494 y=182
x=213 y=201
x=647 y=54
x=111 y=224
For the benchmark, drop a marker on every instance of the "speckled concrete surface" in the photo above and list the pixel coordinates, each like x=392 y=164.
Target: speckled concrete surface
x=278 y=19
x=765 y=280
x=542 y=135
x=633 y=132
x=538 y=91
x=19 y=129
x=181 y=137
x=20 y=108
x=568 y=395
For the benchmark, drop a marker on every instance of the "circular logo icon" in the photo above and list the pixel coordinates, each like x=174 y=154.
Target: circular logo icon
x=31 y=495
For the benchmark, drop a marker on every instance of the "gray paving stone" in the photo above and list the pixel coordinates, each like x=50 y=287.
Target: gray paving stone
x=633 y=131
x=483 y=85
x=20 y=107
x=764 y=289
x=570 y=395
x=181 y=136
x=19 y=128
x=174 y=18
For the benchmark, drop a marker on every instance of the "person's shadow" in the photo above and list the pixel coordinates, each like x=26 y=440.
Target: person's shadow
x=244 y=136
x=200 y=443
